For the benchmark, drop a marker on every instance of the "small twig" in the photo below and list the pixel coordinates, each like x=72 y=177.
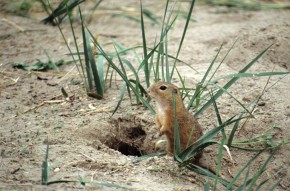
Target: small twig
x=71 y=163
x=43 y=103
x=37 y=106
x=12 y=79
x=33 y=108
x=13 y=24
x=103 y=109
x=17 y=53
x=228 y=151
x=66 y=74
x=59 y=74
x=88 y=157
x=2 y=36
x=93 y=174
x=15 y=170
x=230 y=172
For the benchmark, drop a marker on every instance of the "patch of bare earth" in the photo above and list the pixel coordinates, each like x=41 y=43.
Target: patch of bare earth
x=87 y=144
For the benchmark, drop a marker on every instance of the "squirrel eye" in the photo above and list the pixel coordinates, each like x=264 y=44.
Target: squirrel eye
x=163 y=87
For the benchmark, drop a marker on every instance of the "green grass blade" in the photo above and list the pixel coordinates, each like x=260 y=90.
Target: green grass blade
x=100 y=70
x=93 y=66
x=168 y=77
x=207 y=186
x=177 y=145
x=183 y=35
x=131 y=17
x=151 y=15
x=138 y=57
x=131 y=67
x=225 y=56
x=164 y=39
x=136 y=82
x=151 y=63
x=275 y=185
x=220 y=157
x=119 y=46
x=200 y=170
x=250 y=75
x=261 y=184
x=245 y=182
x=78 y=52
x=220 y=153
x=213 y=132
x=244 y=108
x=206 y=139
x=261 y=170
x=111 y=78
x=160 y=51
x=146 y=68
x=233 y=131
x=206 y=173
x=158 y=154
x=172 y=57
x=189 y=153
x=216 y=110
x=257 y=100
x=255 y=59
x=90 y=15
x=249 y=5
x=123 y=76
x=140 y=87
x=238 y=175
x=231 y=82
x=87 y=61
x=201 y=84
x=62 y=10
x=45 y=6
x=123 y=90
x=44 y=171
x=148 y=56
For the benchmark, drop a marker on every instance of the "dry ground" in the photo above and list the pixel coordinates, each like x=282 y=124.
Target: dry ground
x=81 y=132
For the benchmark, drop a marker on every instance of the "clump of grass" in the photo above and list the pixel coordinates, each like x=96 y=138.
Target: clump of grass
x=41 y=65
x=263 y=142
x=249 y=4
x=92 y=72
x=56 y=16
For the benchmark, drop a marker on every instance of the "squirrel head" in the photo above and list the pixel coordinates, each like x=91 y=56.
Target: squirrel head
x=163 y=92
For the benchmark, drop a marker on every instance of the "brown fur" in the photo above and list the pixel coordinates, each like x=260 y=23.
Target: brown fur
x=165 y=116
x=165 y=119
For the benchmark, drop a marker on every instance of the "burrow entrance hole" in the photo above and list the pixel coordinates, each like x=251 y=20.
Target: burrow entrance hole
x=128 y=136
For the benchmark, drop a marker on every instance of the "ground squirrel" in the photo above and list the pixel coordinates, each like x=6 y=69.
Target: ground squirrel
x=163 y=92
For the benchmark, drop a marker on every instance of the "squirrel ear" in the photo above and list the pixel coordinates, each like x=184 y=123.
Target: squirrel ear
x=175 y=91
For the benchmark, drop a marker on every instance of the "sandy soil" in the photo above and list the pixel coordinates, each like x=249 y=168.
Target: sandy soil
x=87 y=144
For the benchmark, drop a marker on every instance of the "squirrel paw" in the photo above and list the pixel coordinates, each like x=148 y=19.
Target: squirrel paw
x=161 y=131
